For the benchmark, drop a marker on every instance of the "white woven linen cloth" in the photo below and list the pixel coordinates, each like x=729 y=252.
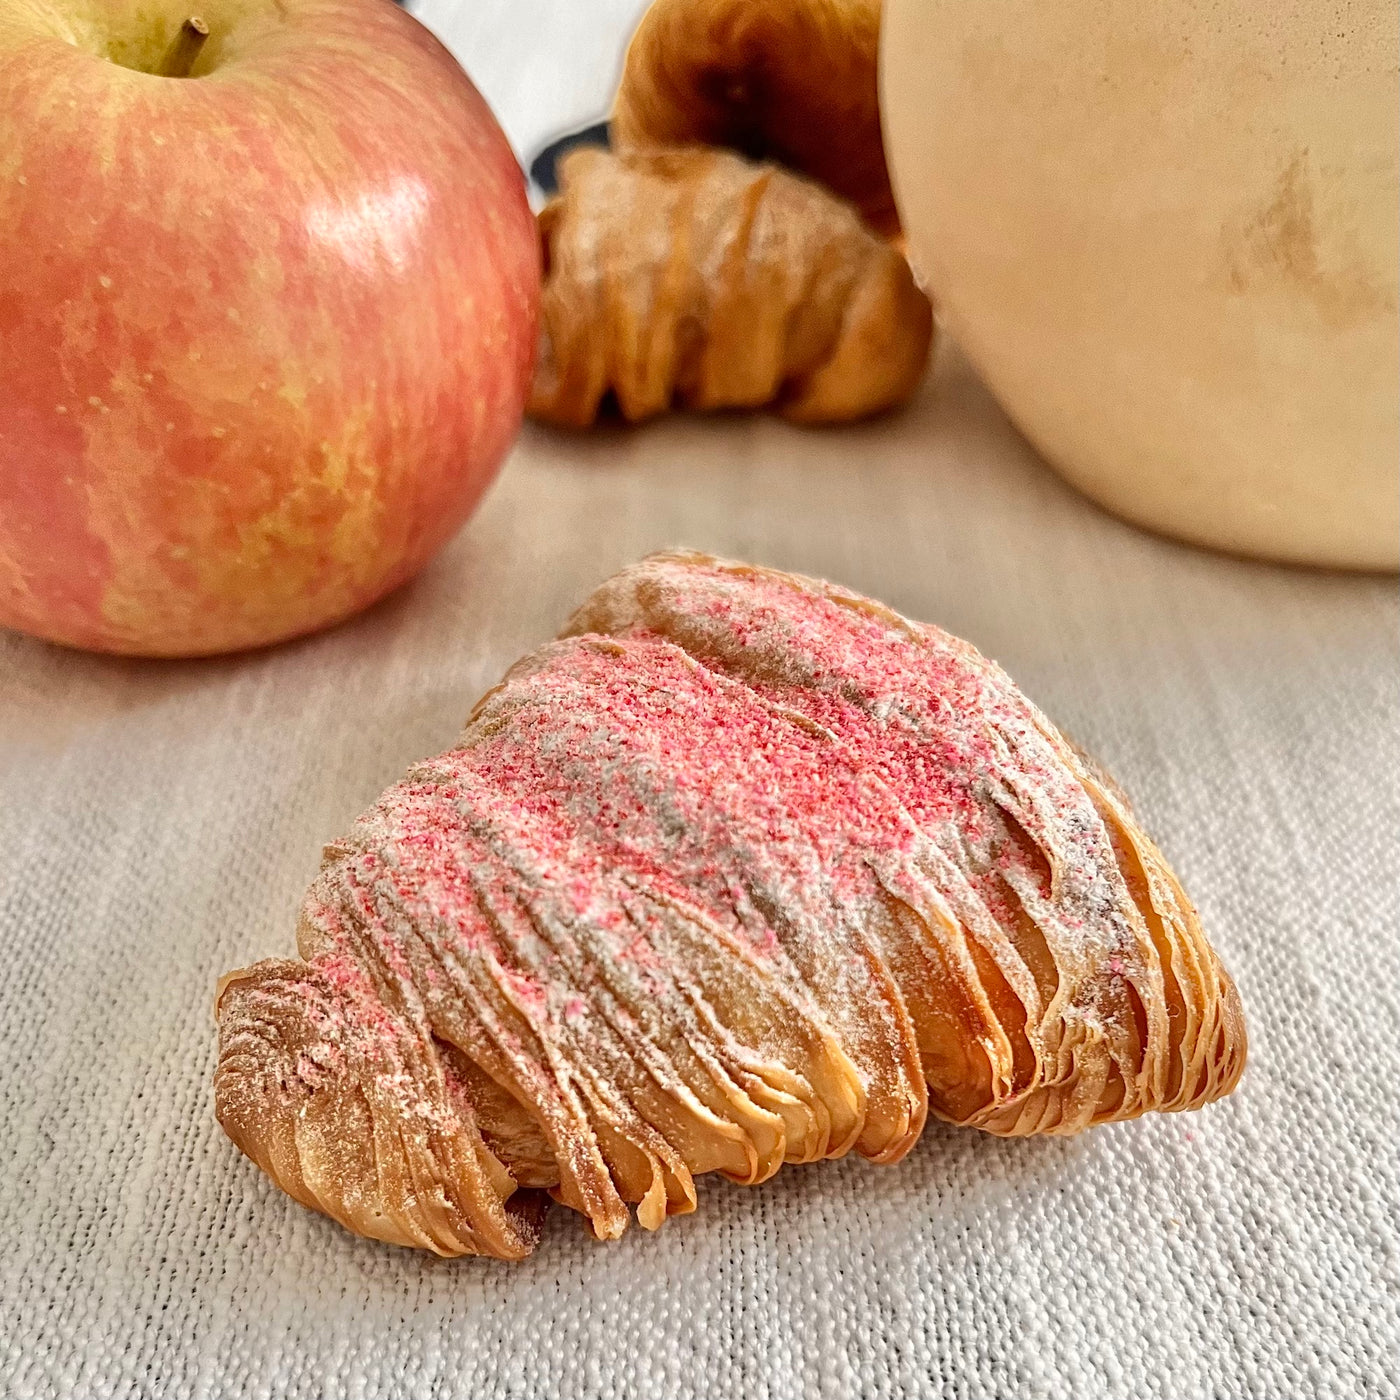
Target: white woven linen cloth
x=159 y=822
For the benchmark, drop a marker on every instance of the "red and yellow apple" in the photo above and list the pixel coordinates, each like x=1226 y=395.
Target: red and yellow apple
x=266 y=329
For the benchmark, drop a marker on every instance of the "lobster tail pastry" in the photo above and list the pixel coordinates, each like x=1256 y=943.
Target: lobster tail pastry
x=743 y=869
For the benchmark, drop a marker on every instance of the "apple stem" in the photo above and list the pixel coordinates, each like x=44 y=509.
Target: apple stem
x=180 y=56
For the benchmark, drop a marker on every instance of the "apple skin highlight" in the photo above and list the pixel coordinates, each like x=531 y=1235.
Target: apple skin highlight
x=265 y=332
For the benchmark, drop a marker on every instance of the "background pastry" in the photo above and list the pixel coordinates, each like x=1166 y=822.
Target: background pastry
x=792 y=82
x=693 y=278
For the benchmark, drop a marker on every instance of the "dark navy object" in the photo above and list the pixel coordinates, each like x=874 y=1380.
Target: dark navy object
x=544 y=169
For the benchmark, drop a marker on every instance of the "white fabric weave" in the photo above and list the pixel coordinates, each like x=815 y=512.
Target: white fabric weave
x=159 y=823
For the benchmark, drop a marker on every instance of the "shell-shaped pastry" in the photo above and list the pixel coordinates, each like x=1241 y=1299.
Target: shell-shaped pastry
x=793 y=81
x=744 y=869
x=692 y=278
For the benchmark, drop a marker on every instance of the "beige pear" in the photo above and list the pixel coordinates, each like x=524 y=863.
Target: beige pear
x=1166 y=234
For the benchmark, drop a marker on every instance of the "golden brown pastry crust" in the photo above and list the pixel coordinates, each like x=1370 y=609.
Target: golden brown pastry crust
x=792 y=81
x=743 y=869
x=692 y=278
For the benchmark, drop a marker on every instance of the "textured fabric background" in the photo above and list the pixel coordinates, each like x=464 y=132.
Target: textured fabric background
x=158 y=823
